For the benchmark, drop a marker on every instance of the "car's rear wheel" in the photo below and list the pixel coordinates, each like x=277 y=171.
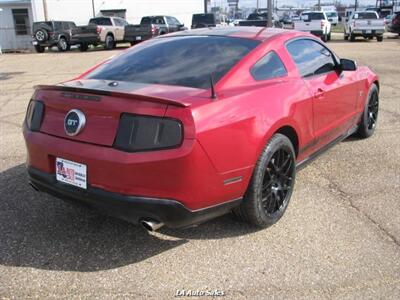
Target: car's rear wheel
x=346 y=36
x=109 y=44
x=271 y=185
x=62 y=44
x=329 y=36
x=352 y=37
x=379 y=38
x=369 y=117
x=39 y=49
x=83 y=47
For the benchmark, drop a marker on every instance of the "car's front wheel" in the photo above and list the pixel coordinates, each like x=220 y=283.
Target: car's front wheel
x=109 y=43
x=271 y=185
x=63 y=45
x=369 y=117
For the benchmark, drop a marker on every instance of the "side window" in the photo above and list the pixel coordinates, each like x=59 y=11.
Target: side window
x=270 y=66
x=118 y=22
x=170 y=21
x=160 y=20
x=310 y=57
x=176 y=21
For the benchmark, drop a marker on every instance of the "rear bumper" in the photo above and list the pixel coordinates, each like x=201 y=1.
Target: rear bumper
x=366 y=32
x=130 y=208
x=317 y=32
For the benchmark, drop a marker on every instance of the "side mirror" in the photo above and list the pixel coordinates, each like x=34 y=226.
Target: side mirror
x=347 y=65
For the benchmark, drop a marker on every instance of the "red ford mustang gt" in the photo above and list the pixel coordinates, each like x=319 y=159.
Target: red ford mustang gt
x=189 y=126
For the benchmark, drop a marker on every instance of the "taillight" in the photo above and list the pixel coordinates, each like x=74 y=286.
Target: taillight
x=354 y=23
x=34 y=115
x=322 y=24
x=99 y=29
x=153 y=29
x=147 y=133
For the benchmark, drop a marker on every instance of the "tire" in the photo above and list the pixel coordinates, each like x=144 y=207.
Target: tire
x=324 y=37
x=329 y=36
x=346 y=36
x=41 y=35
x=271 y=185
x=379 y=38
x=83 y=47
x=62 y=44
x=352 y=37
x=109 y=43
x=369 y=117
x=39 y=49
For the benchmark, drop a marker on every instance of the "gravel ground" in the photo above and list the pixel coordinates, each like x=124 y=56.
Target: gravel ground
x=340 y=237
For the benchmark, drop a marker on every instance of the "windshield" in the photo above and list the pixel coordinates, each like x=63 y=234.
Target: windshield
x=101 y=21
x=331 y=14
x=365 y=15
x=312 y=16
x=185 y=61
x=203 y=18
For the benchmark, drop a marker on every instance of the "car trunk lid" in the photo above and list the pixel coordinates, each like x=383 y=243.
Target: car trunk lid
x=102 y=102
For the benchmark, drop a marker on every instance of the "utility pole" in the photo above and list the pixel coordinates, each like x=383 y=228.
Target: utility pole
x=46 y=17
x=319 y=4
x=355 y=5
x=94 y=14
x=269 y=13
x=258 y=5
x=205 y=6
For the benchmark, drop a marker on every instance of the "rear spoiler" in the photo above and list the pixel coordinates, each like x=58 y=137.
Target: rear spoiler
x=124 y=95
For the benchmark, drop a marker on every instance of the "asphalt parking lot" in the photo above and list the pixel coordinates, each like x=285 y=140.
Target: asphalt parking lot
x=340 y=237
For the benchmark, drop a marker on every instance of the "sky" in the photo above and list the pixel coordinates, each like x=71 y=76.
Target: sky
x=263 y=3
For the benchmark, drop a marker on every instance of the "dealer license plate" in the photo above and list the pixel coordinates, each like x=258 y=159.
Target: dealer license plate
x=34 y=43
x=367 y=31
x=71 y=172
x=138 y=38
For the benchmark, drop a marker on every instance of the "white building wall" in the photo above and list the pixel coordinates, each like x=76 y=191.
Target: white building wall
x=80 y=11
x=8 y=38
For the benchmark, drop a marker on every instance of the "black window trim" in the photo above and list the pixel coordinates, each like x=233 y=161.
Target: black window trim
x=336 y=59
x=271 y=78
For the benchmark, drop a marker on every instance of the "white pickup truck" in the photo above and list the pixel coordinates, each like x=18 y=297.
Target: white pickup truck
x=315 y=22
x=366 y=24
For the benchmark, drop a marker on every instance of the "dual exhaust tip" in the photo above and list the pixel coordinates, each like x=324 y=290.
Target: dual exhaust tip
x=148 y=224
x=151 y=225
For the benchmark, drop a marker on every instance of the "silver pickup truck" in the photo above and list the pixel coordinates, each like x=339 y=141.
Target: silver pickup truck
x=366 y=24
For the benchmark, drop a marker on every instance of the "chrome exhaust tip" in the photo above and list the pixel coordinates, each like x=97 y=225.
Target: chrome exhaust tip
x=151 y=225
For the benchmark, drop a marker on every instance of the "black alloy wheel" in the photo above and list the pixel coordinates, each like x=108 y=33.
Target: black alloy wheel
x=271 y=184
x=373 y=109
x=369 y=118
x=277 y=182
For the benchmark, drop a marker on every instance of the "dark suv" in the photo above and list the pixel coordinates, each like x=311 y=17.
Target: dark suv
x=204 y=20
x=394 y=25
x=62 y=34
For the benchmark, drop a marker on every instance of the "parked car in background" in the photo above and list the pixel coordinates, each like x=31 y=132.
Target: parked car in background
x=230 y=113
x=111 y=30
x=204 y=20
x=62 y=34
x=333 y=17
x=261 y=20
x=151 y=26
x=315 y=22
x=365 y=24
x=394 y=25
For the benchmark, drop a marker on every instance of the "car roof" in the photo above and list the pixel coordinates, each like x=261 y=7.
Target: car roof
x=249 y=32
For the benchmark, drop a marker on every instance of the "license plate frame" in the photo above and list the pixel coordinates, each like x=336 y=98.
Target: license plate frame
x=138 y=38
x=71 y=173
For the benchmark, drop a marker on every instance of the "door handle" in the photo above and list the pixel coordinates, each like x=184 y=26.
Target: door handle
x=319 y=94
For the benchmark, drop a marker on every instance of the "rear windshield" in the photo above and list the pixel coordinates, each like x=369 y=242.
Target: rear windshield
x=101 y=21
x=184 y=61
x=312 y=16
x=203 y=18
x=331 y=14
x=152 y=20
x=365 y=15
